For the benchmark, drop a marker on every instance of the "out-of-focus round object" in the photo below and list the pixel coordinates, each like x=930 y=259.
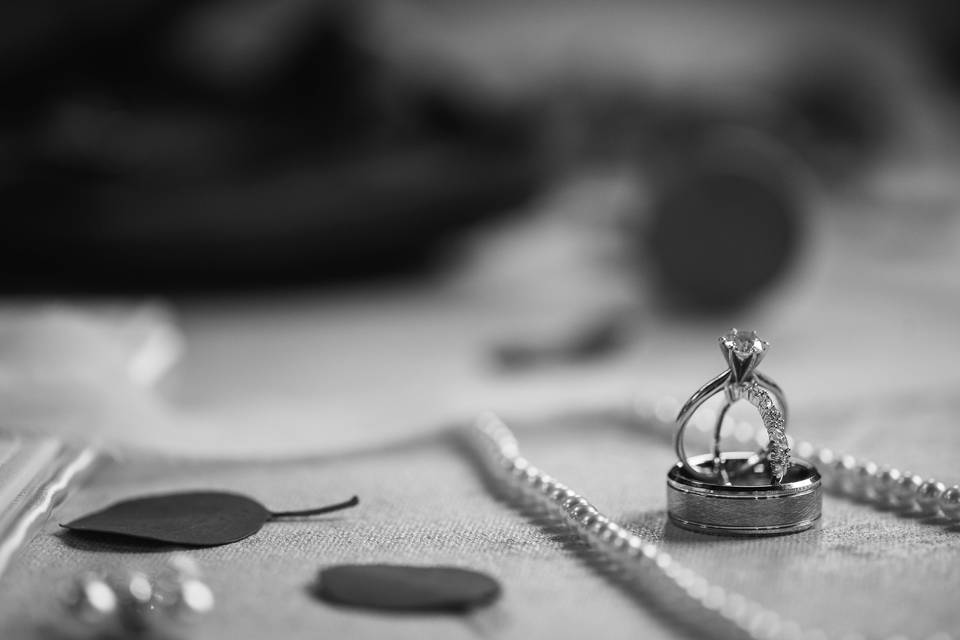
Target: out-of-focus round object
x=928 y=496
x=89 y=598
x=906 y=491
x=124 y=602
x=836 y=111
x=725 y=223
x=937 y=24
x=950 y=502
x=886 y=483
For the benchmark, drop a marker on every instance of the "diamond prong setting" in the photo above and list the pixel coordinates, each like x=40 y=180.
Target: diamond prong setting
x=743 y=344
x=743 y=351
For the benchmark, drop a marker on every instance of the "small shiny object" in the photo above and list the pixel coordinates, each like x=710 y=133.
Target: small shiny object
x=599 y=525
x=139 y=587
x=906 y=489
x=865 y=477
x=843 y=468
x=804 y=449
x=100 y=596
x=184 y=565
x=887 y=479
x=196 y=596
x=826 y=456
x=580 y=508
x=89 y=598
x=928 y=496
x=139 y=602
x=845 y=464
x=950 y=502
x=135 y=602
x=588 y=515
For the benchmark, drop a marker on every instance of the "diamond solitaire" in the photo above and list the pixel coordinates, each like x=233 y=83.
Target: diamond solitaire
x=744 y=344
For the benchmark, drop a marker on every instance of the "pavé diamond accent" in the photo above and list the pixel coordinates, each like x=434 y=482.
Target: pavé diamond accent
x=778 y=449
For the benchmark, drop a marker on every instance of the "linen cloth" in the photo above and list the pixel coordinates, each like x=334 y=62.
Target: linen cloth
x=867 y=571
x=300 y=401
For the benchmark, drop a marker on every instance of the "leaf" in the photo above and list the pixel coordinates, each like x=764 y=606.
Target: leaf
x=406 y=588
x=199 y=519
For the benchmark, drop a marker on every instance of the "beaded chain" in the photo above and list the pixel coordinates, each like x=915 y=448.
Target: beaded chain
x=640 y=560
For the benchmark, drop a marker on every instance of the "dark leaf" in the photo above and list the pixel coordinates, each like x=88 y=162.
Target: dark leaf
x=200 y=519
x=405 y=588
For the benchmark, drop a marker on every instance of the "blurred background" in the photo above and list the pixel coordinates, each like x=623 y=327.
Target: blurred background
x=357 y=220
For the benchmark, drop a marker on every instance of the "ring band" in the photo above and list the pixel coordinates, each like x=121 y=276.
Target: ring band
x=743 y=353
x=753 y=507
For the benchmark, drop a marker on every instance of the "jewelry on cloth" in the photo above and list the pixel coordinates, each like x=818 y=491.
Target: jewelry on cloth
x=121 y=603
x=642 y=561
x=743 y=352
x=742 y=493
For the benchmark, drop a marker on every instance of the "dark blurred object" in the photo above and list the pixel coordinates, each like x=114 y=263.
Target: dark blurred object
x=206 y=143
x=724 y=223
x=385 y=587
x=835 y=112
x=601 y=337
x=938 y=29
x=731 y=169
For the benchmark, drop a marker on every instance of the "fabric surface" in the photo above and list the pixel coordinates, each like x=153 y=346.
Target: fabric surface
x=864 y=571
x=336 y=395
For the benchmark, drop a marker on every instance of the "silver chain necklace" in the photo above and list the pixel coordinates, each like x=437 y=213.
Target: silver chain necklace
x=643 y=563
